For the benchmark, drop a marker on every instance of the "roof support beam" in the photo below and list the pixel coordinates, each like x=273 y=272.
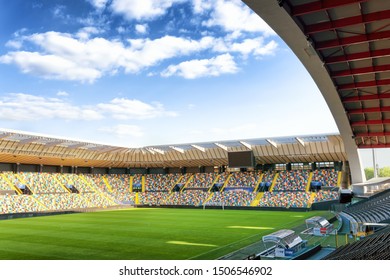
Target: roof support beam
x=199 y=148
x=54 y=143
x=318 y=6
x=353 y=40
x=366 y=97
x=273 y=143
x=108 y=149
x=357 y=56
x=374 y=146
x=180 y=150
x=75 y=146
x=300 y=141
x=344 y=22
x=246 y=145
x=26 y=141
x=223 y=147
x=361 y=71
x=371 y=122
x=156 y=150
x=357 y=85
x=373 y=134
x=4 y=135
x=369 y=110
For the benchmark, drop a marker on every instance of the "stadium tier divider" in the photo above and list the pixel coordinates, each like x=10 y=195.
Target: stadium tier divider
x=226 y=182
x=258 y=183
x=105 y=180
x=257 y=199
x=11 y=184
x=309 y=181
x=274 y=182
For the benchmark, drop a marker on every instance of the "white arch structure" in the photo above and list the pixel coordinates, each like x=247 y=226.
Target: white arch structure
x=345 y=46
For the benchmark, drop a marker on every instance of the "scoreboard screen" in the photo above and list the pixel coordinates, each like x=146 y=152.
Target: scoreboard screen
x=241 y=159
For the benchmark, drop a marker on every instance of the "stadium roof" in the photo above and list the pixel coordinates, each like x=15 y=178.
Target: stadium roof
x=344 y=44
x=352 y=38
x=27 y=148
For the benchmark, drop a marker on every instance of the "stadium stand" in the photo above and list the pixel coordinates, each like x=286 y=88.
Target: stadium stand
x=161 y=182
x=41 y=182
x=266 y=181
x=189 y=197
x=375 y=209
x=153 y=198
x=321 y=196
x=294 y=180
x=231 y=198
x=373 y=247
x=56 y=191
x=19 y=204
x=326 y=177
x=243 y=180
x=202 y=181
x=285 y=199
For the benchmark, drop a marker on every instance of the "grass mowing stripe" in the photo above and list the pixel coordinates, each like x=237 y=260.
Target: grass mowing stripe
x=133 y=234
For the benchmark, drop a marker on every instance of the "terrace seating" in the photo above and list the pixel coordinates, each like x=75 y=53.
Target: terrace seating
x=374 y=247
x=189 y=197
x=285 y=199
x=4 y=185
x=19 y=204
x=294 y=180
x=153 y=198
x=74 y=180
x=202 y=181
x=160 y=182
x=375 y=209
x=266 y=181
x=97 y=200
x=232 y=198
x=98 y=181
x=326 y=196
x=243 y=179
x=41 y=182
x=64 y=201
x=327 y=177
x=222 y=178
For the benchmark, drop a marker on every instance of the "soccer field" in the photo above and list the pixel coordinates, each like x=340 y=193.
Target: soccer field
x=140 y=234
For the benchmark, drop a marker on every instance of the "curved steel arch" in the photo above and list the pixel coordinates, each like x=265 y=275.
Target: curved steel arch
x=340 y=43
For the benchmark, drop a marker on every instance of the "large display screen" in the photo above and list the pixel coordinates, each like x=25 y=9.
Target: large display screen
x=241 y=159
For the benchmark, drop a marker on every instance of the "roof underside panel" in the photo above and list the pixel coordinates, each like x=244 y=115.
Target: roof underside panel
x=353 y=40
x=64 y=152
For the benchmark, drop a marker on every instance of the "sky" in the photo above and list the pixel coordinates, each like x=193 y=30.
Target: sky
x=135 y=73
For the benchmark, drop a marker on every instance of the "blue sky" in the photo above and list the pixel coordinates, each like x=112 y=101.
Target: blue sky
x=147 y=72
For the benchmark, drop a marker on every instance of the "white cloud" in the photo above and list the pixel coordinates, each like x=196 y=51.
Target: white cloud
x=142 y=9
x=25 y=107
x=255 y=46
x=123 y=130
x=125 y=109
x=85 y=32
x=64 y=57
x=235 y=16
x=62 y=93
x=200 y=6
x=59 y=11
x=141 y=28
x=99 y=4
x=222 y=64
x=51 y=66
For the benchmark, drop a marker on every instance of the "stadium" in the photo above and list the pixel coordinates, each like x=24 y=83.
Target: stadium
x=293 y=197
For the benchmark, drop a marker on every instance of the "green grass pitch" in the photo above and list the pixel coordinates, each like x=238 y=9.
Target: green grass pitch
x=140 y=234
